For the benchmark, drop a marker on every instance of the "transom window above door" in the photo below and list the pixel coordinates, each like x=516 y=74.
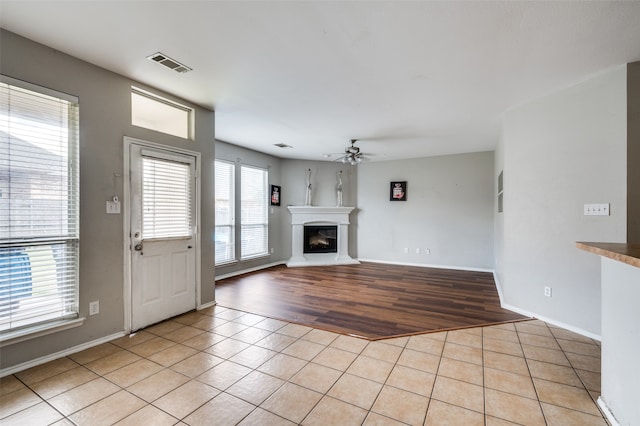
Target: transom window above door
x=162 y=115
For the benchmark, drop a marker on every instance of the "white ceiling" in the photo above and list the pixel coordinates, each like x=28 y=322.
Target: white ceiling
x=408 y=79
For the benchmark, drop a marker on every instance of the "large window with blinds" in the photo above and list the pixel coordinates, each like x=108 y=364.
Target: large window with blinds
x=39 y=206
x=224 y=219
x=254 y=216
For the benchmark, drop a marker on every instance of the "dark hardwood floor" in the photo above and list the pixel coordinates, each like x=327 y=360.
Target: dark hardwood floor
x=370 y=300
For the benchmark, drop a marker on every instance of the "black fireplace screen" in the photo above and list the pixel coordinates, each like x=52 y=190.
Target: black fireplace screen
x=320 y=239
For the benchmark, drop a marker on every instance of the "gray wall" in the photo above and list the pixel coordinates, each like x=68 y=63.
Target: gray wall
x=633 y=153
x=105 y=117
x=324 y=183
x=498 y=244
x=243 y=156
x=449 y=210
x=560 y=152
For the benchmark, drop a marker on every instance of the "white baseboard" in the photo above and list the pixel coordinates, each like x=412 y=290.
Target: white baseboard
x=607 y=412
x=206 y=305
x=245 y=271
x=541 y=317
x=552 y=321
x=52 y=357
x=426 y=265
x=498 y=288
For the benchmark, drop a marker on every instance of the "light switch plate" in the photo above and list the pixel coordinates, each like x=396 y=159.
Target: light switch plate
x=113 y=207
x=94 y=307
x=596 y=209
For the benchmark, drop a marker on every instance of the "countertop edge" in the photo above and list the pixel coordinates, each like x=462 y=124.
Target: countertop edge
x=622 y=252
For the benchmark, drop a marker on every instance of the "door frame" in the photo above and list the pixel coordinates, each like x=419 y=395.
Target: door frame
x=126 y=210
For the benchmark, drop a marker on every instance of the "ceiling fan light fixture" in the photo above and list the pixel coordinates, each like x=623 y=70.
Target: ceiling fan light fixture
x=352 y=154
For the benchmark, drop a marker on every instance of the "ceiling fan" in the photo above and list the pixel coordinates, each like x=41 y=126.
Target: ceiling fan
x=352 y=154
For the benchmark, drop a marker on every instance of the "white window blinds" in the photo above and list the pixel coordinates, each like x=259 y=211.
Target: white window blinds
x=224 y=205
x=255 y=224
x=39 y=202
x=166 y=199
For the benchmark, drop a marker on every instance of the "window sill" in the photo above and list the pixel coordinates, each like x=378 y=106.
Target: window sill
x=13 y=337
x=256 y=257
x=227 y=263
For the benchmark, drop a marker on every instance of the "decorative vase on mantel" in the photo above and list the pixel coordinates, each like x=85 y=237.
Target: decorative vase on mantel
x=339 y=190
x=307 y=197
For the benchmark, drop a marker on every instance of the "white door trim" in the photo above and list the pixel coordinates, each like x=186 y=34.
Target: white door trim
x=126 y=207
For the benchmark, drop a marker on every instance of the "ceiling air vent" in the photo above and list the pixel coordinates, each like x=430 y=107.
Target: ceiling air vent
x=282 y=145
x=172 y=64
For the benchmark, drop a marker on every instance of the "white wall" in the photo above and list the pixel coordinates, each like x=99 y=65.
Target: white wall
x=560 y=152
x=449 y=210
x=620 y=340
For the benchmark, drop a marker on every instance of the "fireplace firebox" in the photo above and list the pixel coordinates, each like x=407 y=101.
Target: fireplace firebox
x=320 y=239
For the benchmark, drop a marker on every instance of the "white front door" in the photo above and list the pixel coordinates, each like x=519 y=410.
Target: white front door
x=163 y=217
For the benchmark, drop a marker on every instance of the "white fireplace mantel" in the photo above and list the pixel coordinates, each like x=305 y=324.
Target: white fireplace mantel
x=317 y=215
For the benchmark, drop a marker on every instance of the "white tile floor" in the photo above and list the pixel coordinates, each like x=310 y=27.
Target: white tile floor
x=226 y=367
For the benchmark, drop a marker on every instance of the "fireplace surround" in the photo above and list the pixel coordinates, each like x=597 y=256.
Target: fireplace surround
x=315 y=218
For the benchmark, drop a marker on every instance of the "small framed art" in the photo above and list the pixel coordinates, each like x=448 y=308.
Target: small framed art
x=398 y=191
x=276 y=193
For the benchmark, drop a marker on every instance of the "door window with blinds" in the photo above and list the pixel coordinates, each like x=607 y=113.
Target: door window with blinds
x=224 y=219
x=254 y=216
x=166 y=198
x=39 y=203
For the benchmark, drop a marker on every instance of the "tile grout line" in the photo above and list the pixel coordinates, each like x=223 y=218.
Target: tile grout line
x=526 y=361
x=383 y=384
x=484 y=380
x=279 y=387
x=435 y=379
x=337 y=380
x=325 y=394
x=256 y=407
x=147 y=403
x=578 y=375
x=297 y=339
x=46 y=401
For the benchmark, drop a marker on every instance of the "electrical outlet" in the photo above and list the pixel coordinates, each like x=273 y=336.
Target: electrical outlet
x=547 y=291
x=94 y=307
x=406 y=250
x=273 y=250
x=418 y=250
x=427 y=251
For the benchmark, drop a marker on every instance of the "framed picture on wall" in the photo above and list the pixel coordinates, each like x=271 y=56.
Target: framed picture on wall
x=276 y=194
x=398 y=191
